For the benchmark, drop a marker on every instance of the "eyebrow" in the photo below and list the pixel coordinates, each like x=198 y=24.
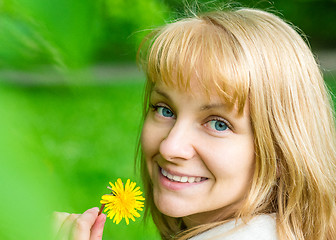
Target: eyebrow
x=202 y=108
x=158 y=91
x=214 y=105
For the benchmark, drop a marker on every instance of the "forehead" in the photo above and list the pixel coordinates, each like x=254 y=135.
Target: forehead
x=193 y=89
x=199 y=57
x=196 y=96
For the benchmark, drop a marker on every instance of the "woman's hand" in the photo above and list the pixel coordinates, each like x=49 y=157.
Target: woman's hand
x=86 y=226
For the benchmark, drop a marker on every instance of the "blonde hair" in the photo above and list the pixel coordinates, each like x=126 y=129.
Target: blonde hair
x=251 y=54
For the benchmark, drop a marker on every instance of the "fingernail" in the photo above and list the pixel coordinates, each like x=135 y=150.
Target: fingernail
x=96 y=209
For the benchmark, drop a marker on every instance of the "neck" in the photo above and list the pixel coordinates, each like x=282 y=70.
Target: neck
x=209 y=217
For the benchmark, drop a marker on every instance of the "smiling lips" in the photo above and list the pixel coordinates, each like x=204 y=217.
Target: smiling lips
x=182 y=179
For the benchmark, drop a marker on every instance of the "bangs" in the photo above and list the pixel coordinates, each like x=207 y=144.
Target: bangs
x=200 y=51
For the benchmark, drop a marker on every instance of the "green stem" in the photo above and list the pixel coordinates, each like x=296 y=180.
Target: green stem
x=101 y=209
x=103 y=205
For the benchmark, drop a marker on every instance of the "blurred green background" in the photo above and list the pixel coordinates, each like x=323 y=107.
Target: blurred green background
x=71 y=100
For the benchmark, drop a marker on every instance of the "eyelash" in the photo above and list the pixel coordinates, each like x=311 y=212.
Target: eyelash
x=214 y=118
x=155 y=107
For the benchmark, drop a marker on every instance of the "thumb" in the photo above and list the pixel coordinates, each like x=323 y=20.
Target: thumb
x=98 y=228
x=84 y=223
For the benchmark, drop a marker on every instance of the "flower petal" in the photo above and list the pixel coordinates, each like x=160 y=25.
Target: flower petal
x=126 y=202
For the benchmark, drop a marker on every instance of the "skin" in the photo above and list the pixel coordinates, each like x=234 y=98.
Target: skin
x=193 y=135
x=86 y=226
x=188 y=135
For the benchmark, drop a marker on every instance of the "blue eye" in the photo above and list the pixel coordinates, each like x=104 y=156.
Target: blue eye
x=165 y=112
x=218 y=125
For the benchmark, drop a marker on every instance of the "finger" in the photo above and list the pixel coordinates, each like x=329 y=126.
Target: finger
x=65 y=231
x=58 y=219
x=82 y=228
x=98 y=228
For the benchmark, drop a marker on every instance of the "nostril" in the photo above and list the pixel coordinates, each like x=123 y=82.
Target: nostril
x=172 y=149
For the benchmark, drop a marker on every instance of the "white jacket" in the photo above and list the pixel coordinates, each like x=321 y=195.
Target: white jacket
x=261 y=227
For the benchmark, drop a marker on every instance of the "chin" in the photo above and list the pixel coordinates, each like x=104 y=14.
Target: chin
x=172 y=210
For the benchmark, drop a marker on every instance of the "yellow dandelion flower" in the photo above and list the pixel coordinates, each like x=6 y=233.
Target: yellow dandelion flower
x=123 y=202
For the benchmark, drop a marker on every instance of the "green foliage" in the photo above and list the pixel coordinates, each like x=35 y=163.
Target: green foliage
x=60 y=146
x=56 y=32
x=315 y=17
x=72 y=34
x=125 y=23
x=29 y=189
x=77 y=139
x=21 y=45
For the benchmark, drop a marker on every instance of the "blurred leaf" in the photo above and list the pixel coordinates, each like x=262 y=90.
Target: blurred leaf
x=29 y=189
x=51 y=32
x=124 y=23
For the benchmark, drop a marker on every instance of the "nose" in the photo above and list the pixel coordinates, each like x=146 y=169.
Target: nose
x=178 y=144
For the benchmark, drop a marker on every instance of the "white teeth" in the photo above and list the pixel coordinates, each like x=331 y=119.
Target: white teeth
x=182 y=179
x=191 y=179
x=164 y=172
x=177 y=178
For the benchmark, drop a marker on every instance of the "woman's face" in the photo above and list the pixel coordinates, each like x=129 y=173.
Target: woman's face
x=199 y=153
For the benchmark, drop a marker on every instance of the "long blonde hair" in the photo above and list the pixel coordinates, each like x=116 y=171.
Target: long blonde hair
x=252 y=54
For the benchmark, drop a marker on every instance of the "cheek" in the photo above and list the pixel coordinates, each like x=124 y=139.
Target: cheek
x=149 y=137
x=152 y=135
x=145 y=138
x=231 y=161
x=149 y=144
